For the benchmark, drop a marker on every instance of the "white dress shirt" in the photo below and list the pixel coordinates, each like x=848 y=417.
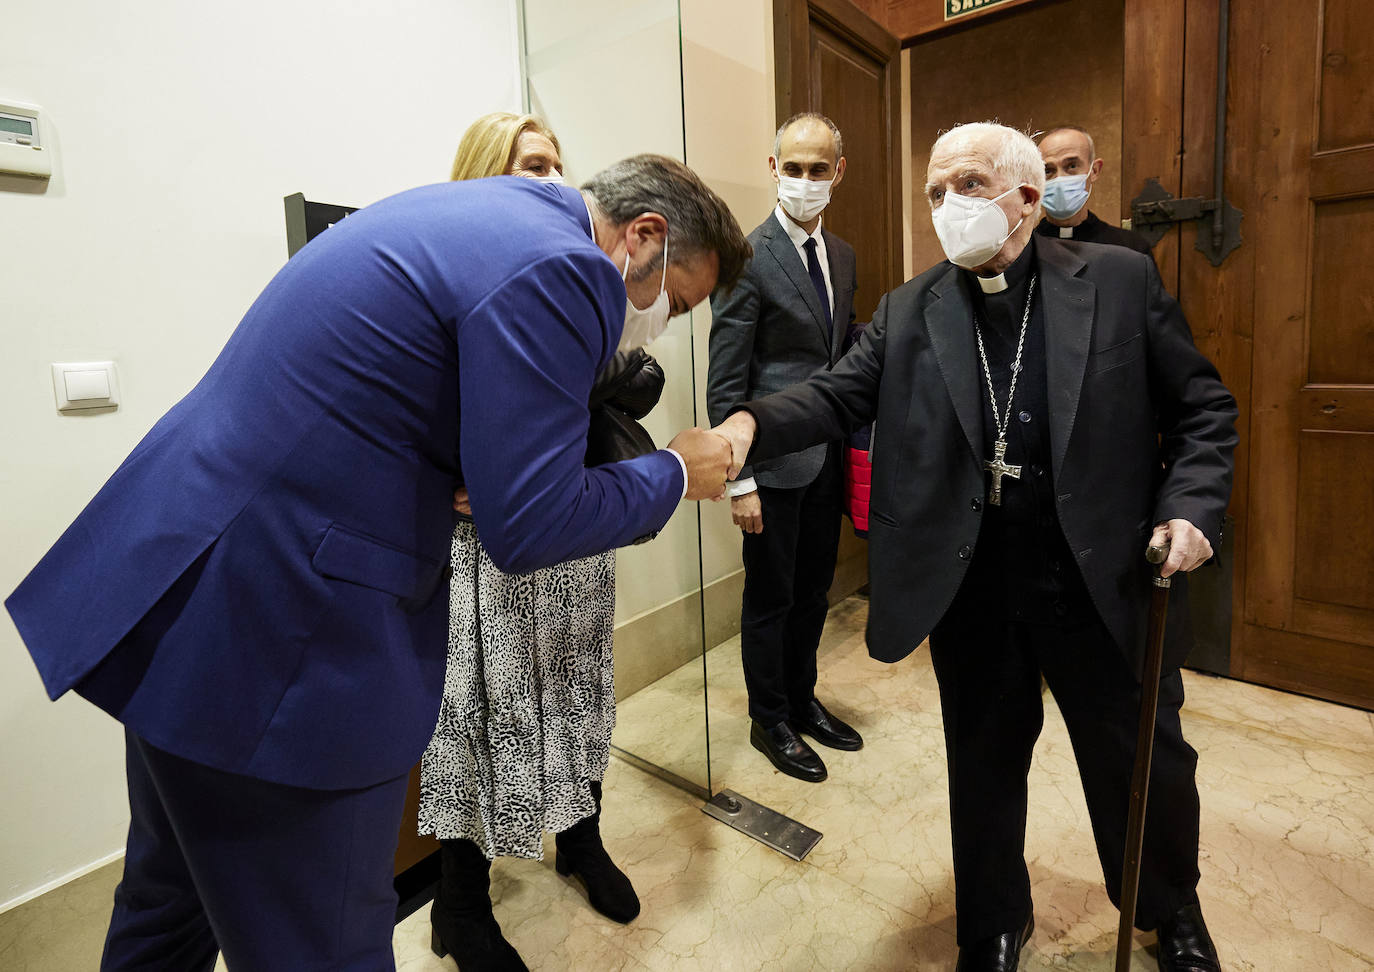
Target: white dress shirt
x=798 y=236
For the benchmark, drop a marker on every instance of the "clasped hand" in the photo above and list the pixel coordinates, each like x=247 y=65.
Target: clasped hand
x=714 y=456
x=708 y=458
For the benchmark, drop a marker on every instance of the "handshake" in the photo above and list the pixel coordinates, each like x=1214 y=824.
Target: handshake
x=714 y=456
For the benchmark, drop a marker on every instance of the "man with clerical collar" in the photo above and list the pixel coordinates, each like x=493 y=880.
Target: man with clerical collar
x=1071 y=169
x=1042 y=417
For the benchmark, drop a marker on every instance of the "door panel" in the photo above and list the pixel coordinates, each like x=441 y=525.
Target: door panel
x=832 y=58
x=1347 y=62
x=1342 y=340
x=1289 y=317
x=1309 y=594
x=1333 y=516
x=852 y=87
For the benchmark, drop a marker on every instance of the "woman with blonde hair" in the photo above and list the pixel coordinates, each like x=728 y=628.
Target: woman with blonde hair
x=524 y=729
x=503 y=143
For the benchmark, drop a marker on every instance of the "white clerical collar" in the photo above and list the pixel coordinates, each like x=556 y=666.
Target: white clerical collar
x=993 y=285
x=1066 y=232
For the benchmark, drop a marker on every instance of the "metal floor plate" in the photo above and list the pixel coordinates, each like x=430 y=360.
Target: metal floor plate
x=783 y=834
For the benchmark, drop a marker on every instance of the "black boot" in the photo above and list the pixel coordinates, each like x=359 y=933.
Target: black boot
x=581 y=852
x=461 y=920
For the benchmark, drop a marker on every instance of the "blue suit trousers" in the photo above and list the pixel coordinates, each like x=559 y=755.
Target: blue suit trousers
x=277 y=877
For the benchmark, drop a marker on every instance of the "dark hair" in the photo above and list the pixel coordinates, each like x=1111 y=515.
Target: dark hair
x=698 y=219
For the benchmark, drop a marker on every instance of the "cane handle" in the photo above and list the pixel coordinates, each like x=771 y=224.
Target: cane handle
x=1157 y=553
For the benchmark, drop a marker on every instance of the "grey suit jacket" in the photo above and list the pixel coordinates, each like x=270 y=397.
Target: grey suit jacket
x=770 y=333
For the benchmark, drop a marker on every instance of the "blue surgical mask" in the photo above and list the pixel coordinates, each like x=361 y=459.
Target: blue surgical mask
x=1066 y=195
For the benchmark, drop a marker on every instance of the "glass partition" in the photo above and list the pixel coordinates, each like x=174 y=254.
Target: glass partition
x=606 y=76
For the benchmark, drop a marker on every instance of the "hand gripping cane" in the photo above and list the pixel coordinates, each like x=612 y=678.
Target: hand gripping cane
x=1144 y=750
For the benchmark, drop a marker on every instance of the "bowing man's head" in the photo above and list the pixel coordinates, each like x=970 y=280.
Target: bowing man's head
x=648 y=203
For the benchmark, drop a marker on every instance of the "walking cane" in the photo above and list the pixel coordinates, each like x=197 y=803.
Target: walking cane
x=1144 y=750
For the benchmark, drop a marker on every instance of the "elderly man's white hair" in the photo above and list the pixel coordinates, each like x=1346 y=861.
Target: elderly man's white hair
x=1013 y=155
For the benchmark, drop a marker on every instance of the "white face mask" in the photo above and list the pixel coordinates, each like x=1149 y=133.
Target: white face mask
x=972 y=229
x=642 y=326
x=803 y=199
x=555 y=179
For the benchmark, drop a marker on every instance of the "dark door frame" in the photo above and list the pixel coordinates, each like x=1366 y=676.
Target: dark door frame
x=792 y=77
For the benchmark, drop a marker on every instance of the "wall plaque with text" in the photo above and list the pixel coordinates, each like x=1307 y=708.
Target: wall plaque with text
x=954 y=9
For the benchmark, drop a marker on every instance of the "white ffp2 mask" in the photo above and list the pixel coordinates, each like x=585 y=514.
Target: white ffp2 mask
x=972 y=229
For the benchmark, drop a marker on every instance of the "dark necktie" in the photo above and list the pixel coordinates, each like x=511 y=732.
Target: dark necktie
x=813 y=270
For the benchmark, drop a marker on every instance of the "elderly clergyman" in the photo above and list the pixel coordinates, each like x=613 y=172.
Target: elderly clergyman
x=1043 y=416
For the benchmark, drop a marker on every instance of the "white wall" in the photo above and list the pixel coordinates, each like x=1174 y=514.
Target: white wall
x=178 y=129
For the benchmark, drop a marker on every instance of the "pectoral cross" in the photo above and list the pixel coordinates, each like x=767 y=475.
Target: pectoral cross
x=999 y=468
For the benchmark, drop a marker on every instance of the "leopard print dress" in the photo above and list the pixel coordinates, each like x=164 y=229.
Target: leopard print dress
x=529 y=701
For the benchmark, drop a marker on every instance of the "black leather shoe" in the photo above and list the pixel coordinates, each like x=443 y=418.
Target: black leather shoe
x=788 y=752
x=1184 y=945
x=827 y=730
x=999 y=953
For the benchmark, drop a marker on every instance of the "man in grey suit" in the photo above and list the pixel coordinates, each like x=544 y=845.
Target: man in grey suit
x=786 y=320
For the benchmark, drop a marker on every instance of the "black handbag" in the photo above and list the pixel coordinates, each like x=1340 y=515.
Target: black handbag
x=613 y=436
x=626 y=390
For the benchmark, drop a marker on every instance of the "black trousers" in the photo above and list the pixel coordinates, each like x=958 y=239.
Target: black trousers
x=787 y=573
x=989 y=673
x=278 y=877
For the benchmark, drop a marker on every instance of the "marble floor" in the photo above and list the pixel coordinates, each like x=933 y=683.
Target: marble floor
x=1287 y=841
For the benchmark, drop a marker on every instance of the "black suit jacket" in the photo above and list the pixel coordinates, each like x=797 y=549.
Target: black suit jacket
x=769 y=333
x=1141 y=430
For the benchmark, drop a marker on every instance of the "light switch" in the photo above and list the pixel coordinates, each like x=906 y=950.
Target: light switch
x=85 y=384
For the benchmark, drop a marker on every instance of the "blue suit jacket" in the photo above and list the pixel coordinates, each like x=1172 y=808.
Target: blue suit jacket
x=260 y=586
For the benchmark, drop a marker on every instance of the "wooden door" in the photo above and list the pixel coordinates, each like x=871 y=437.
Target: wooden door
x=1289 y=317
x=833 y=58
x=1309 y=589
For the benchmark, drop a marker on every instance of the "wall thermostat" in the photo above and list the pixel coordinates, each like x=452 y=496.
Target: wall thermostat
x=22 y=148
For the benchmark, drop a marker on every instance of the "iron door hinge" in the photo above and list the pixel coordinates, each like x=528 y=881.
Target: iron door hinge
x=1155 y=211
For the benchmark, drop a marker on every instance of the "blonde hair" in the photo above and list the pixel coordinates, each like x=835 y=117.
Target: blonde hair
x=487 y=148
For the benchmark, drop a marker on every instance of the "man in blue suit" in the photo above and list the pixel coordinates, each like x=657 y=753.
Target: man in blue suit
x=253 y=591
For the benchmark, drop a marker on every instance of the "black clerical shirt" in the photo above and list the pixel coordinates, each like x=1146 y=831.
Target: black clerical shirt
x=1021 y=560
x=1094 y=230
